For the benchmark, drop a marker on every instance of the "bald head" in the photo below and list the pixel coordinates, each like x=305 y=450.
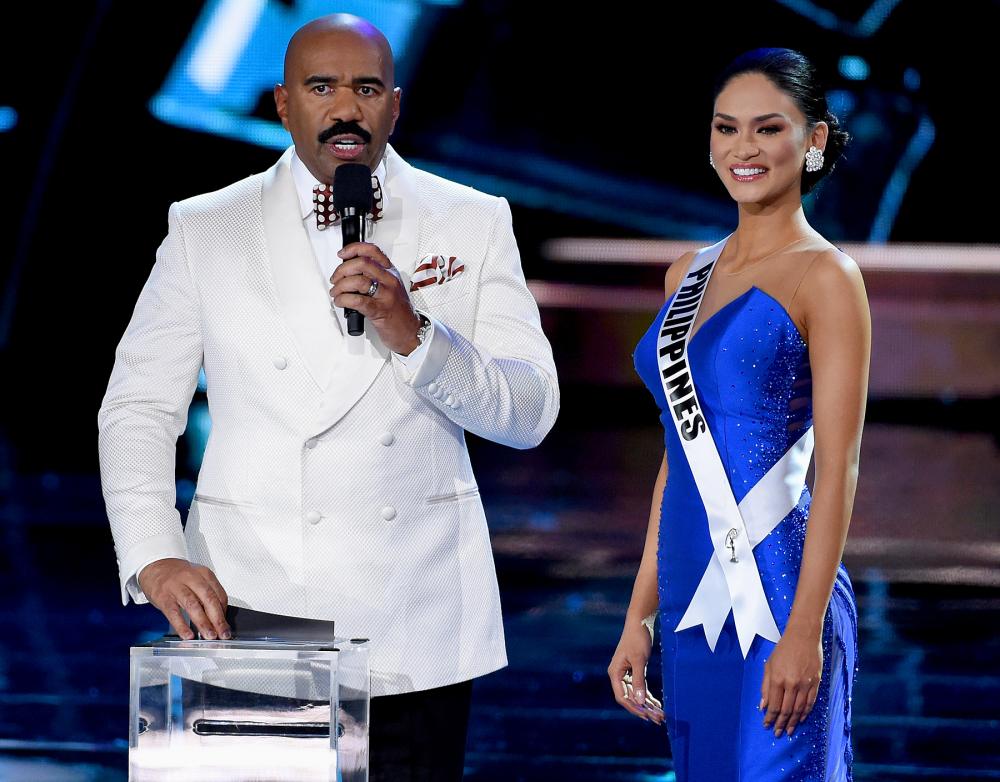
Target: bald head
x=326 y=30
x=339 y=99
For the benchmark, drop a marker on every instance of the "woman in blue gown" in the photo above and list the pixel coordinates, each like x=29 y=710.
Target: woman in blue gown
x=759 y=356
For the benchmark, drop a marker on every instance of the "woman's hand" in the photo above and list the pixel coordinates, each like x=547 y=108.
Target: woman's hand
x=627 y=672
x=791 y=679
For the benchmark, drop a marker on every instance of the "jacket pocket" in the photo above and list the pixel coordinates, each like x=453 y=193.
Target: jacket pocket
x=453 y=496
x=205 y=499
x=436 y=295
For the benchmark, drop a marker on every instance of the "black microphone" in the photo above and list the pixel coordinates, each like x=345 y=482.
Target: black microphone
x=352 y=198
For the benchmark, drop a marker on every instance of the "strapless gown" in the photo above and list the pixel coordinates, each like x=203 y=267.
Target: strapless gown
x=750 y=368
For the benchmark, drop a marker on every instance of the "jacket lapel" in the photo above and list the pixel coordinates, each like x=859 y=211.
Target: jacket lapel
x=302 y=293
x=360 y=359
x=401 y=190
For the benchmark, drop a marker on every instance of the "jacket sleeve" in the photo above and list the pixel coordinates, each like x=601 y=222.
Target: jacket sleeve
x=500 y=382
x=145 y=410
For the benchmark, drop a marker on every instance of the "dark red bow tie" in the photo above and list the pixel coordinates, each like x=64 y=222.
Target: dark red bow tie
x=326 y=215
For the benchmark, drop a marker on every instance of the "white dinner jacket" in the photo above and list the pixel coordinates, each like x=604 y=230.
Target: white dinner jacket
x=334 y=485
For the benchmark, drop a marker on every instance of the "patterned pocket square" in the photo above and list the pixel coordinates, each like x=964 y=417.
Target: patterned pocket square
x=436 y=270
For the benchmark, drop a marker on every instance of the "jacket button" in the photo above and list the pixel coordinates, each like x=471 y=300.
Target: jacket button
x=313 y=517
x=311 y=443
x=450 y=401
x=388 y=513
x=387 y=438
x=431 y=388
x=456 y=404
x=279 y=362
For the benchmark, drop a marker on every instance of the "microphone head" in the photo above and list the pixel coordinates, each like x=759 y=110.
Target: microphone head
x=352 y=187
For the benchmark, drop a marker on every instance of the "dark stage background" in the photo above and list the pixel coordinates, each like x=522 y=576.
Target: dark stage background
x=595 y=127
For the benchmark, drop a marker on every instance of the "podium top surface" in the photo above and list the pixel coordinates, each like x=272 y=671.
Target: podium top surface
x=257 y=647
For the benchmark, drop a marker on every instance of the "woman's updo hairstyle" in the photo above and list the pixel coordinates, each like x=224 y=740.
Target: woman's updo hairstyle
x=794 y=75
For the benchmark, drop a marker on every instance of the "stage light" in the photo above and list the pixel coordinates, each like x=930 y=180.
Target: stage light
x=233 y=59
x=853 y=68
x=8 y=118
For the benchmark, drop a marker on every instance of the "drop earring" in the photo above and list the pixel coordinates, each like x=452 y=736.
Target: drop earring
x=814 y=159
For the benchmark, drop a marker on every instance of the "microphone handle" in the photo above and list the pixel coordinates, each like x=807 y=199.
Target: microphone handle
x=355 y=322
x=352 y=228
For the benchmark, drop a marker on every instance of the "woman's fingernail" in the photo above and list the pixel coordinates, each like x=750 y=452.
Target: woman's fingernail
x=777 y=732
x=790 y=731
x=760 y=705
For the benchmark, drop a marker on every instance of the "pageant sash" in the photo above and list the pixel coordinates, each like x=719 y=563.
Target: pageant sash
x=731 y=581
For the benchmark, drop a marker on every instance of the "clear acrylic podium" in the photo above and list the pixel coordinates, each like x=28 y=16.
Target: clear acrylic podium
x=242 y=711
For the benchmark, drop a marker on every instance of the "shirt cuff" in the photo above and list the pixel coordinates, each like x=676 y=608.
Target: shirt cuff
x=415 y=360
x=132 y=585
x=145 y=553
x=419 y=370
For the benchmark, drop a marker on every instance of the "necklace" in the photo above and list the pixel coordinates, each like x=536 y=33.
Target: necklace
x=759 y=261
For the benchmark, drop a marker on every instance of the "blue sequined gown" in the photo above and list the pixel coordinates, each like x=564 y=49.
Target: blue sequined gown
x=751 y=370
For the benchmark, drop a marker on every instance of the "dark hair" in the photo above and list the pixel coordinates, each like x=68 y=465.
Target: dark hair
x=794 y=75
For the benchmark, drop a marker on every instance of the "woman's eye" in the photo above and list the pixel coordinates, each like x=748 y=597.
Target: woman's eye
x=770 y=129
x=726 y=129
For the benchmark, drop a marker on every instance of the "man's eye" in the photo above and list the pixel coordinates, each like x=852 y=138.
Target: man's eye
x=321 y=89
x=366 y=90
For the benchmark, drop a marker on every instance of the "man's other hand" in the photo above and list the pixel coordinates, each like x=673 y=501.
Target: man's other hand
x=175 y=584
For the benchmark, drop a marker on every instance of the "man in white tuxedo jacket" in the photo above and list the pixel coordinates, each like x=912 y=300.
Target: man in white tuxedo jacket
x=336 y=483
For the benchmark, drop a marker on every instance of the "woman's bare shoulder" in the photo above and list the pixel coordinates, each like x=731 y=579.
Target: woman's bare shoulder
x=832 y=270
x=675 y=273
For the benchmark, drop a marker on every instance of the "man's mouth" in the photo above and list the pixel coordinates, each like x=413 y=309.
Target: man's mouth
x=346 y=147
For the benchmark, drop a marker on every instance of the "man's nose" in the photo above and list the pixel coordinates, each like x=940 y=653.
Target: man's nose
x=345 y=105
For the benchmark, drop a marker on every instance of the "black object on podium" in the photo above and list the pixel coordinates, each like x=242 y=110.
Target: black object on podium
x=249 y=625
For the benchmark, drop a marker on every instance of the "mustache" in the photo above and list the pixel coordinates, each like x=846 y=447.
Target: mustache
x=343 y=128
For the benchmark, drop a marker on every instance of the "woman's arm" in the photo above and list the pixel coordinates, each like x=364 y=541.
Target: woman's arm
x=644 y=600
x=839 y=336
x=636 y=642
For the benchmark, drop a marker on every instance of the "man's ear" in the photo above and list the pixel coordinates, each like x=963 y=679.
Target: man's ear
x=397 y=95
x=281 y=103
